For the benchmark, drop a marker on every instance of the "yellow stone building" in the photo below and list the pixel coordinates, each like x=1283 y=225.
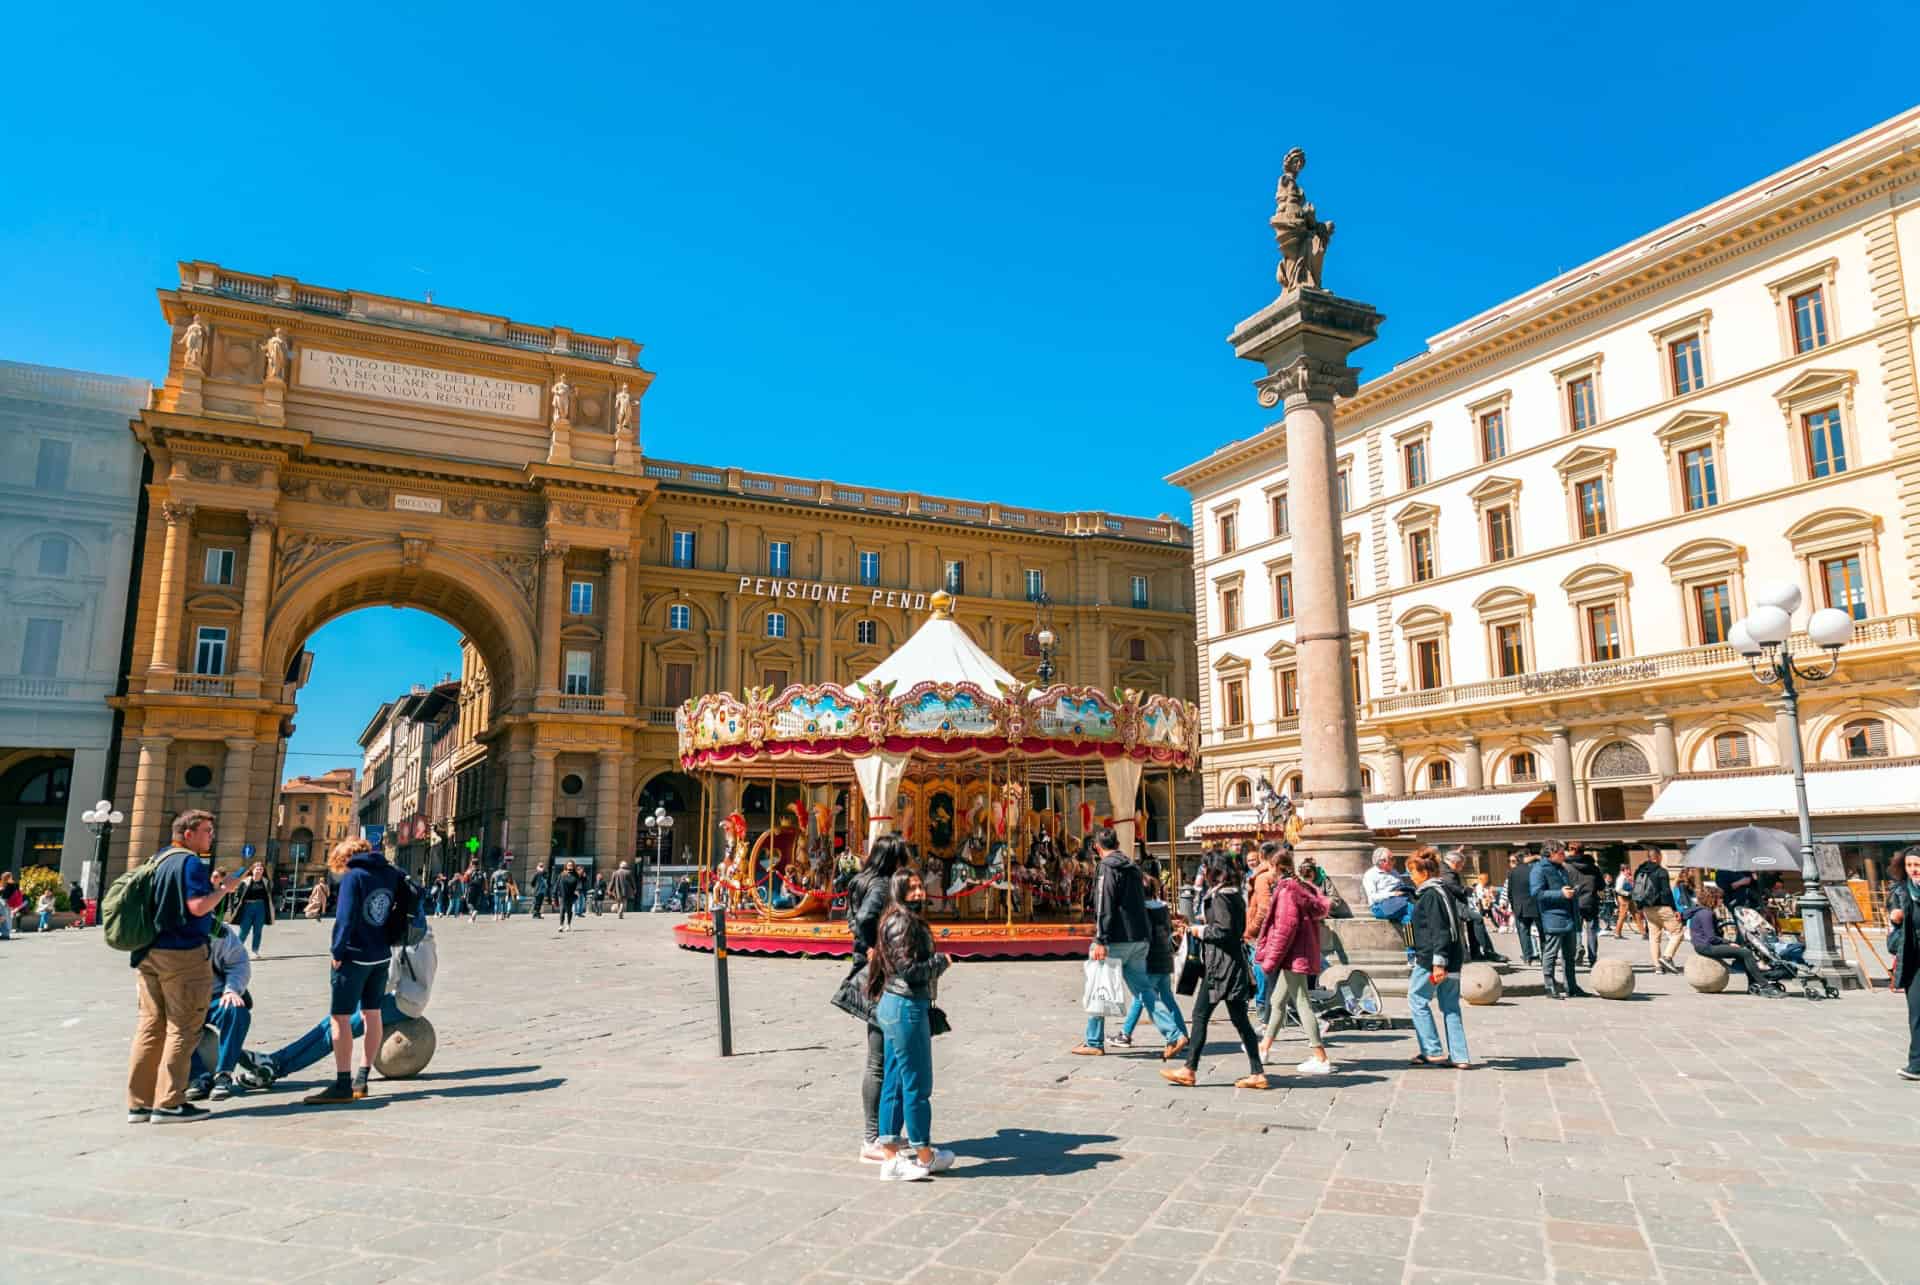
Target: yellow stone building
x=317 y=450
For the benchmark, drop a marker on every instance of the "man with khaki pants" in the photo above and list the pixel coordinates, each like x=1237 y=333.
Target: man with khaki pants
x=174 y=977
x=1653 y=894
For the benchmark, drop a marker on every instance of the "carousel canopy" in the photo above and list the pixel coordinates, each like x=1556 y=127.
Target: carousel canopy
x=940 y=652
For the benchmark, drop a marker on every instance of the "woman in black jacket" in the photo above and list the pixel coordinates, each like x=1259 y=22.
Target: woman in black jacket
x=904 y=970
x=1228 y=979
x=867 y=898
x=1903 y=904
x=1439 y=949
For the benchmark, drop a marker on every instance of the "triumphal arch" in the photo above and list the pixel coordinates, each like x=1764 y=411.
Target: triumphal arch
x=315 y=451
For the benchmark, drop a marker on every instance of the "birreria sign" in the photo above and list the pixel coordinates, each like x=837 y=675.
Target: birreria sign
x=820 y=591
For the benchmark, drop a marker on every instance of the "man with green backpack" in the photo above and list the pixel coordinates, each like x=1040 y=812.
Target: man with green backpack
x=162 y=913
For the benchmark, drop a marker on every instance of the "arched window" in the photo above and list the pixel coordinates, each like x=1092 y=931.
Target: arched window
x=1366 y=780
x=1731 y=750
x=1292 y=786
x=1240 y=792
x=46 y=786
x=1864 y=738
x=1621 y=758
x=1440 y=774
x=1522 y=767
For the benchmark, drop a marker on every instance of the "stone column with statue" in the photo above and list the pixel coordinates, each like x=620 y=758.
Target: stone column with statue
x=1303 y=339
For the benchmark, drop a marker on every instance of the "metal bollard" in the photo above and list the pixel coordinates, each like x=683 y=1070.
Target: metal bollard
x=720 y=977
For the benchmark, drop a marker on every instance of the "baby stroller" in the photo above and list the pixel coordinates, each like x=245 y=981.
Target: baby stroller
x=1779 y=959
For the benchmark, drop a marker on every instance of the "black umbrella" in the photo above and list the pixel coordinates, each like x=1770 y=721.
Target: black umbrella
x=1746 y=847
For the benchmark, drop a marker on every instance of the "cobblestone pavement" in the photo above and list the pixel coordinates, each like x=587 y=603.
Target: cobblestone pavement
x=578 y=1125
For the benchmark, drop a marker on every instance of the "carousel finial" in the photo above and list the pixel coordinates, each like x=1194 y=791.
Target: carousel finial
x=942 y=604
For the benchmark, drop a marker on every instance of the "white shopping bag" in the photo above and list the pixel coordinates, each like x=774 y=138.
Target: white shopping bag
x=1105 y=994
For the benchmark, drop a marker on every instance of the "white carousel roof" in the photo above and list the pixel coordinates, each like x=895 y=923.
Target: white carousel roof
x=939 y=652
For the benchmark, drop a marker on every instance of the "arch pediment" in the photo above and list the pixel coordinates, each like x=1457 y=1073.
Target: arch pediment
x=214 y=604
x=1598 y=575
x=1417 y=617
x=1503 y=598
x=1833 y=523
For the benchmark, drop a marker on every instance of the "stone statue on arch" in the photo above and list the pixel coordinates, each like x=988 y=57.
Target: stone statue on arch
x=1297 y=228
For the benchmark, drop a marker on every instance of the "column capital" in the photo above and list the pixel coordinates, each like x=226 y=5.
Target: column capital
x=554 y=549
x=241 y=742
x=177 y=511
x=1472 y=738
x=618 y=554
x=1661 y=720
x=155 y=743
x=541 y=755
x=1555 y=730
x=258 y=520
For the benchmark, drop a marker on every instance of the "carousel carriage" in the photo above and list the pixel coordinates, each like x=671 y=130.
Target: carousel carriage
x=982 y=774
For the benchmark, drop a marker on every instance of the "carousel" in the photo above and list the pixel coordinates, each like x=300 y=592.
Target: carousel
x=993 y=784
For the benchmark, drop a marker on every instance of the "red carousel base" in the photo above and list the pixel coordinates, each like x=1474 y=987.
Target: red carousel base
x=748 y=933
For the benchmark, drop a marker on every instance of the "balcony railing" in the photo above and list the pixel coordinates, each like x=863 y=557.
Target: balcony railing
x=584 y=704
x=1881 y=631
x=30 y=687
x=660 y=716
x=202 y=685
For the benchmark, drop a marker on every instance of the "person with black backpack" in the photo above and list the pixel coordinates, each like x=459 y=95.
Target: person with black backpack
x=174 y=976
x=1653 y=894
x=372 y=911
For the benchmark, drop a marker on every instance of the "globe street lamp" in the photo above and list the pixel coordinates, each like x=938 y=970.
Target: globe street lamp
x=1043 y=635
x=100 y=818
x=1765 y=637
x=661 y=825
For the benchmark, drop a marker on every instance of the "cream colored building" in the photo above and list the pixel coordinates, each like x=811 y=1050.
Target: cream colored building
x=1555 y=511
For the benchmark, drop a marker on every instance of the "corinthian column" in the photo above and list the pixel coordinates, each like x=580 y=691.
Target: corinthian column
x=173 y=587
x=617 y=626
x=253 y=621
x=553 y=570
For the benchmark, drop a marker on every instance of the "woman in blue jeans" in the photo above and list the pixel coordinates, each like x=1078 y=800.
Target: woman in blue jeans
x=903 y=971
x=1439 y=949
x=255 y=906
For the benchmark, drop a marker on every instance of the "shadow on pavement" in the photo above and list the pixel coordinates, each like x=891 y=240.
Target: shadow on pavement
x=379 y=1100
x=1026 y=1152
x=1527 y=1063
x=471 y=1073
x=802 y=1048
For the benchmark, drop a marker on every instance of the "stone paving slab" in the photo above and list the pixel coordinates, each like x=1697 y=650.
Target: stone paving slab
x=577 y=1125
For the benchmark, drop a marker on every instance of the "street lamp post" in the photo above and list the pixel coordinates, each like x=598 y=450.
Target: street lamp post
x=100 y=818
x=661 y=827
x=1043 y=635
x=1765 y=637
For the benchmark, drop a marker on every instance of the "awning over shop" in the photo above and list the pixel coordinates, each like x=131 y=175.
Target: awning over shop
x=1843 y=792
x=1221 y=822
x=1436 y=811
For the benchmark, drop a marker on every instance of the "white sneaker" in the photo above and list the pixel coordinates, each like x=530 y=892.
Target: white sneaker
x=253 y=954
x=904 y=1168
x=874 y=1153
x=942 y=1160
x=1315 y=1066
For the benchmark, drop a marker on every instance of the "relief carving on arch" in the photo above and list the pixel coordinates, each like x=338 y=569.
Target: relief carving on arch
x=299 y=549
x=522 y=569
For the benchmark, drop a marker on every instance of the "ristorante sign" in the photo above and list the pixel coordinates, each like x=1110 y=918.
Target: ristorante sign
x=823 y=591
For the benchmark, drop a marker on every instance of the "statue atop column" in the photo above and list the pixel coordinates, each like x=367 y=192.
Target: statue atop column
x=1297 y=228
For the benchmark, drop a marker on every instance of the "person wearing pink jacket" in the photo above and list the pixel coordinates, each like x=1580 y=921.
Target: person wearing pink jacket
x=1289 y=955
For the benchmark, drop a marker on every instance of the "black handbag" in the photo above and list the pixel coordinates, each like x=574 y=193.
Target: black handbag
x=937 y=1020
x=1190 y=973
x=851 y=998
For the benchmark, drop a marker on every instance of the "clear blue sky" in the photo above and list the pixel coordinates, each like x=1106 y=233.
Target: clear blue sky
x=854 y=238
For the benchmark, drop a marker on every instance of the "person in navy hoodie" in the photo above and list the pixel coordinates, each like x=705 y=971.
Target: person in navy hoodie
x=369 y=894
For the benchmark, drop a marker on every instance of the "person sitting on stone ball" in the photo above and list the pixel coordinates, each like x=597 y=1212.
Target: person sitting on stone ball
x=1389 y=893
x=409 y=986
x=1710 y=928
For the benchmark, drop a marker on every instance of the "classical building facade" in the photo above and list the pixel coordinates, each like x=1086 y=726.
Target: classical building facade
x=1554 y=513
x=341 y=450
x=69 y=490
x=315 y=812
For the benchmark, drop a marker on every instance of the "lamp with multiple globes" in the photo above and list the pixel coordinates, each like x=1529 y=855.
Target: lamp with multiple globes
x=1765 y=638
x=1043 y=636
x=660 y=825
x=101 y=818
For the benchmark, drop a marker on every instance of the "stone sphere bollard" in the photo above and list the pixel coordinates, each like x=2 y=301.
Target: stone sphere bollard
x=1481 y=984
x=1708 y=976
x=1612 y=979
x=406 y=1048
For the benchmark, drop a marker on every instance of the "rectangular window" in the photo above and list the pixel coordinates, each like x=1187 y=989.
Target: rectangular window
x=1809 y=312
x=1426 y=658
x=1493 y=435
x=683 y=548
x=1353 y=584
x=679 y=683
x=1420 y=555
x=1509 y=642
x=40 y=658
x=210 y=652
x=866 y=632
x=1603 y=632
x=1136 y=649
x=1499 y=534
x=1521 y=766
x=1138 y=587
x=579 y=673
x=1699 y=484
x=779 y=558
x=580 y=598
x=956 y=577
x=1582 y=407
x=1229 y=610
x=219 y=566
x=1282 y=520
x=1283 y=596
x=1686 y=366
x=679 y=616
x=1713 y=611
x=1036 y=584
x=1030 y=645
x=869 y=567
x=1227 y=533
x=1826 y=445
x=1413 y=461
x=776 y=624
x=1353 y=666
x=53 y=556
x=1289 y=693
x=776 y=679
x=1233 y=702
x=1846 y=586
x=1590 y=497
x=1346 y=488
x=50 y=472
